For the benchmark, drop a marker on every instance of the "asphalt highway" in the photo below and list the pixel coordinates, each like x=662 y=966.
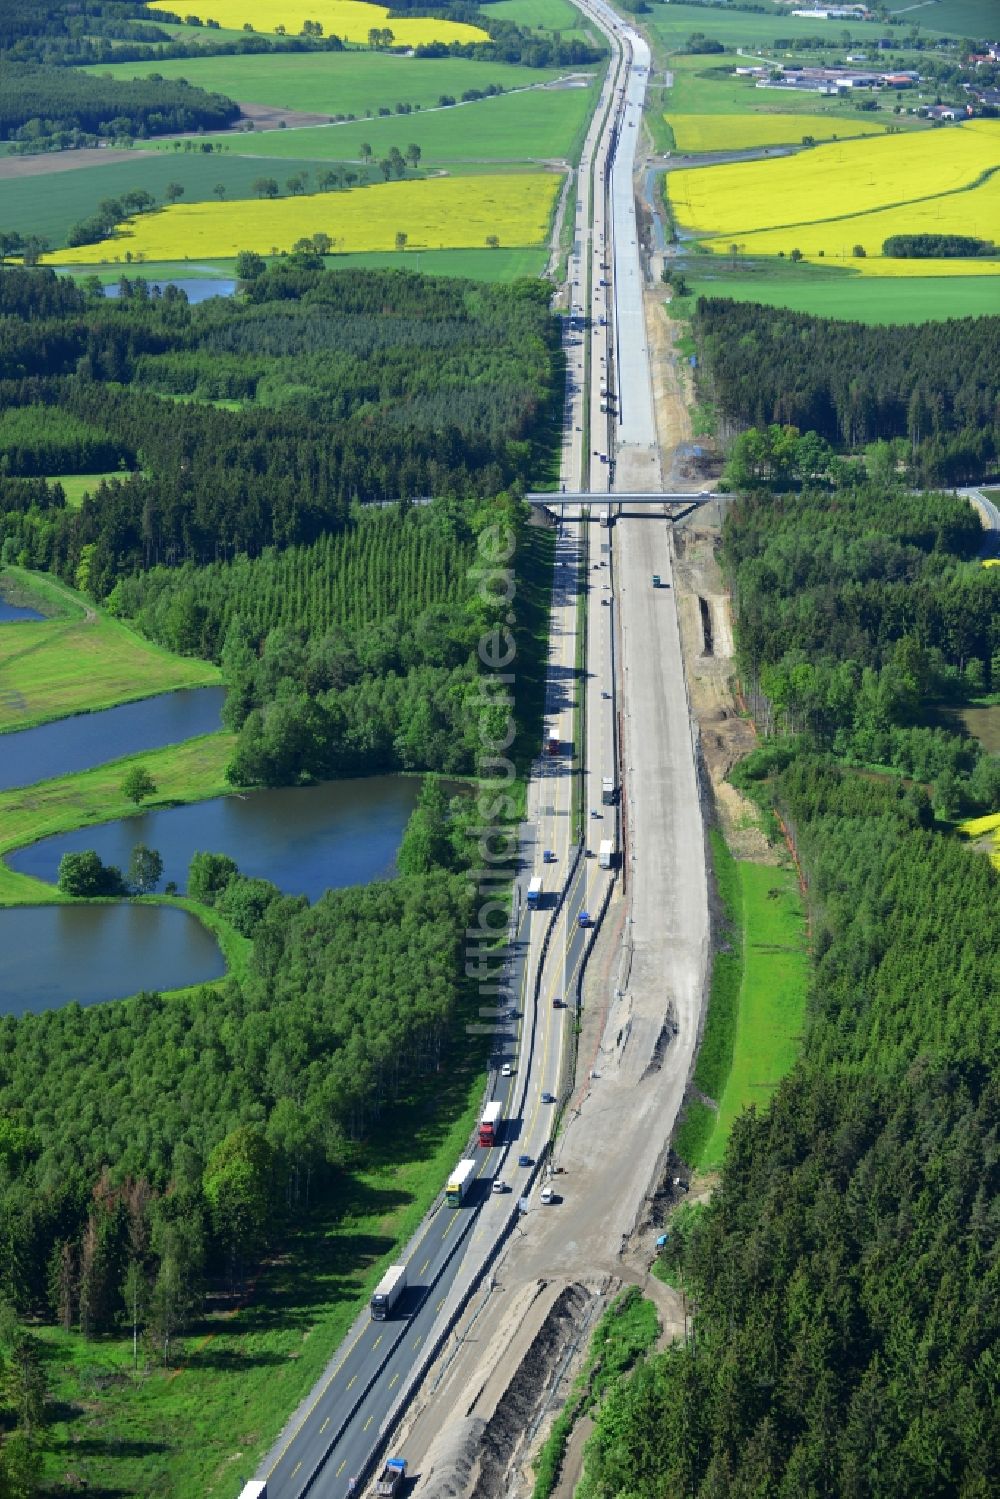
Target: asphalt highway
x=335 y=1435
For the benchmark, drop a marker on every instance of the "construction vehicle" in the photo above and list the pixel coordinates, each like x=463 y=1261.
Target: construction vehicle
x=390 y=1480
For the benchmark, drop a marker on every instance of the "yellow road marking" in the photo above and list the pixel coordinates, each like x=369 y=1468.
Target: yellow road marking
x=325 y=1425
x=423 y=1267
x=368 y=1423
x=377 y=1341
x=393 y=1380
x=352 y=1380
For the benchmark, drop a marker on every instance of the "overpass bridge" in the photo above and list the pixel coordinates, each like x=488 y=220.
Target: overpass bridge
x=619 y=503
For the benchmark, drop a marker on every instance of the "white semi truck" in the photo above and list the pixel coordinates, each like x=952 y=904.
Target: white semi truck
x=387 y=1292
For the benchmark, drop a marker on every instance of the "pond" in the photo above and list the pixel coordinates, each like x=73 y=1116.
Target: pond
x=306 y=839
x=195 y=290
x=52 y=955
x=9 y=613
x=89 y=739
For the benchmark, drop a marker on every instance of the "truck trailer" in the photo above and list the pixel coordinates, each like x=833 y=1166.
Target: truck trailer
x=255 y=1489
x=390 y=1480
x=387 y=1292
x=459 y=1182
x=606 y=853
x=489 y=1124
x=609 y=791
x=552 y=743
x=535 y=893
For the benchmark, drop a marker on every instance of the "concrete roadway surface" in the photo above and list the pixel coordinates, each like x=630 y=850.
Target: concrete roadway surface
x=333 y=1434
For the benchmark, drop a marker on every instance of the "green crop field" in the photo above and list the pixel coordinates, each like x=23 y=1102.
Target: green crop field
x=478 y=265
x=671 y=25
x=80 y=660
x=547 y=16
x=50 y=204
x=909 y=299
x=959 y=18
x=541 y=123
x=335 y=82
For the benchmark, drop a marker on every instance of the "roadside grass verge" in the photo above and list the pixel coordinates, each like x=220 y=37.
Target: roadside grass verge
x=187 y=772
x=625 y=1333
x=756 y=1006
x=201 y=1428
x=81 y=660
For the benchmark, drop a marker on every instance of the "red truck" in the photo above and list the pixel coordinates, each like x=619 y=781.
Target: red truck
x=489 y=1125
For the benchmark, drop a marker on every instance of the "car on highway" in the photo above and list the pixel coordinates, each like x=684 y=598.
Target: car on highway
x=583 y=919
x=499 y=1186
x=548 y=1098
x=548 y=857
x=525 y=1160
x=506 y=1070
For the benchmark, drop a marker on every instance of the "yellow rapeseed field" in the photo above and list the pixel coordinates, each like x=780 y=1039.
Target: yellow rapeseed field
x=976 y=212
x=976 y=827
x=737 y=132
x=853 y=192
x=351 y=20
x=440 y=213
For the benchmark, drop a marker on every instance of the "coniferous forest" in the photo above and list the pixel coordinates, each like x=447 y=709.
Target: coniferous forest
x=934 y=385
x=842 y=1277
x=277 y=458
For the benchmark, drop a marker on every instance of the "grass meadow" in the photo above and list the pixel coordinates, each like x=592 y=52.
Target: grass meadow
x=859 y=299
x=435 y=214
x=76 y=486
x=351 y=20
x=757 y=1003
x=335 y=82
x=187 y=772
x=80 y=660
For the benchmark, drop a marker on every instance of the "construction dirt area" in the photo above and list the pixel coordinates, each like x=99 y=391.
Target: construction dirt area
x=508 y=1367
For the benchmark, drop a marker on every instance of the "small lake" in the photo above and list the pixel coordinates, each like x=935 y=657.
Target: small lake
x=305 y=839
x=9 y=613
x=196 y=290
x=89 y=739
x=52 y=955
